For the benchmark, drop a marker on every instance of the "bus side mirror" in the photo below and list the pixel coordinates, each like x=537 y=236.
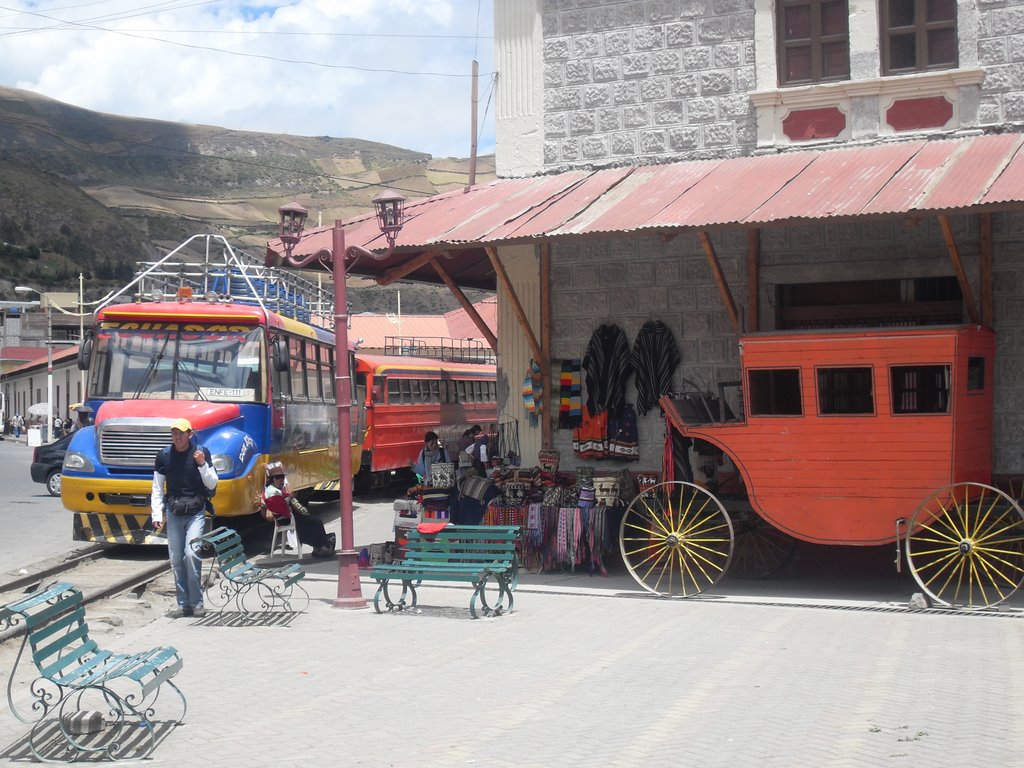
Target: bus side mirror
x=85 y=351
x=279 y=351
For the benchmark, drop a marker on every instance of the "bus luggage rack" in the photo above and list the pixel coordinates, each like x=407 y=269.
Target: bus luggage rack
x=439 y=348
x=212 y=268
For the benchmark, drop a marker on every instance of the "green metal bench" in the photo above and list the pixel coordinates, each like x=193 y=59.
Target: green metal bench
x=251 y=588
x=77 y=678
x=483 y=555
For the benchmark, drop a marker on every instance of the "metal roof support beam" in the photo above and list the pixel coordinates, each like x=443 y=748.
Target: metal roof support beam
x=987 y=307
x=517 y=309
x=466 y=305
x=409 y=267
x=723 y=286
x=753 y=280
x=958 y=267
x=547 y=438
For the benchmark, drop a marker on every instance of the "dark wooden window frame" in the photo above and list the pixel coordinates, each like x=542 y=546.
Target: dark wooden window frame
x=846 y=390
x=921 y=28
x=815 y=42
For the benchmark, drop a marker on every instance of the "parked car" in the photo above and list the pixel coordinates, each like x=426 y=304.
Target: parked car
x=47 y=461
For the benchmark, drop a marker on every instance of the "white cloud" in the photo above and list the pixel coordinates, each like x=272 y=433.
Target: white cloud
x=103 y=61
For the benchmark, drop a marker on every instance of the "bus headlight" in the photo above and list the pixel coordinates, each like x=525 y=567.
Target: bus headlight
x=78 y=462
x=222 y=463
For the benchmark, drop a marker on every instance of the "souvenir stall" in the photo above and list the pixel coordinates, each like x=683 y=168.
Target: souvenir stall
x=570 y=516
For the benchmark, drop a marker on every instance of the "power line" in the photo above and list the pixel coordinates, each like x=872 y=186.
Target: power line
x=82 y=25
x=263 y=33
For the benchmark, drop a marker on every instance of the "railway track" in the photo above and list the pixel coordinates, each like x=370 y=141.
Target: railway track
x=101 y=573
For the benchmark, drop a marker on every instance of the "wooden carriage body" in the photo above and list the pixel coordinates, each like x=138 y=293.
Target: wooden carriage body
x=844 y=432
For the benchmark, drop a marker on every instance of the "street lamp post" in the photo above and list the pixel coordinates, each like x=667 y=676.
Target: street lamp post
x=389 y=207
x=48 y=424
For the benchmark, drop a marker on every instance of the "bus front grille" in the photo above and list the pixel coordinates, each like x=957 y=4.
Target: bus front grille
x=131 y=445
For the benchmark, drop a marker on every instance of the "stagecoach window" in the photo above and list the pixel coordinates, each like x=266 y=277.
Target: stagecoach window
x=975 y=373
x=920 y=389
x=435 y=391
x=845 y=390
x=775 y=392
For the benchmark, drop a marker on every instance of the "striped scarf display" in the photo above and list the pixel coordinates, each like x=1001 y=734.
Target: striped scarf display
x=655 y=358
x=533 y=393
x=570 y=402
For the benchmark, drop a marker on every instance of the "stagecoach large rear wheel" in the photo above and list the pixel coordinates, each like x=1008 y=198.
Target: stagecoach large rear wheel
x=761 y=550
x=676 y=539
x=965 y=546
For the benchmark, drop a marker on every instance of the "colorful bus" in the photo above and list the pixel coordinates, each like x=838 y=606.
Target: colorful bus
x=256 y=386
x=402 y=397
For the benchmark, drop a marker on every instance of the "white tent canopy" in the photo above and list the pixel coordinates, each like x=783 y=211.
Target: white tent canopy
x=39 y=409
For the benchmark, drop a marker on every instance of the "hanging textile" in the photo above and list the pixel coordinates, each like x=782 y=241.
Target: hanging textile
x=570 y=403
x=623 y=440
x=608 y=368
x=655 y=358
x=533 y=393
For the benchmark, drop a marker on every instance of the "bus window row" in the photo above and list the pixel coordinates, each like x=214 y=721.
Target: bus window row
x=403 y=391
x=310 y=375
x=914 y=389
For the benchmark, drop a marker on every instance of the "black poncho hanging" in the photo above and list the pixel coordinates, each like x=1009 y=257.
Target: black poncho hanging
x=655 y=358
x=608 y=368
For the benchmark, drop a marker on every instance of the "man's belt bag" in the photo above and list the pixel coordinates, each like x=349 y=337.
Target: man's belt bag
x=186 y=505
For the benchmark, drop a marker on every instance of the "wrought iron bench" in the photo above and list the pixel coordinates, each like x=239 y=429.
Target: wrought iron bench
x=77 y=679
x=483 y=555
x=251 y=588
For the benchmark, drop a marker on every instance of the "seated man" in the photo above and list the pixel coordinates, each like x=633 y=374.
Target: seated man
x=281 y=505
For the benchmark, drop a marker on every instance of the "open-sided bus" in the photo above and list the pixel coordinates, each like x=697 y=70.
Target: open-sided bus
x=255 y=385
x=402 y=397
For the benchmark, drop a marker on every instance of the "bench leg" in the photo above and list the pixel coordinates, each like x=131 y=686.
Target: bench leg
x=271 y=595
x=384 y=591
x=495 y=596
x=128 y=733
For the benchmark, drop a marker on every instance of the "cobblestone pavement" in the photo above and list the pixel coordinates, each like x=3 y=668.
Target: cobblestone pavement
x=593 y=678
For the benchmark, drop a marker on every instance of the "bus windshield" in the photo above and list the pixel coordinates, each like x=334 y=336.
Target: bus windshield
x=178 y=363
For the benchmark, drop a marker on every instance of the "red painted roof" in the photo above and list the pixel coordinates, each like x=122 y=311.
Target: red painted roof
x=892 y=179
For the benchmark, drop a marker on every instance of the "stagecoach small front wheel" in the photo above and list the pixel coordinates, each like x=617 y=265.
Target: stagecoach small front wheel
x=676 y=539
x=965 y=546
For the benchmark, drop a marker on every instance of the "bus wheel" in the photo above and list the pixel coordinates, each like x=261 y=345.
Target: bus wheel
x=676 y=539
x=363 y=481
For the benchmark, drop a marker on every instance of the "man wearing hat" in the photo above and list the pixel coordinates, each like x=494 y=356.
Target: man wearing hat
x=183 y=482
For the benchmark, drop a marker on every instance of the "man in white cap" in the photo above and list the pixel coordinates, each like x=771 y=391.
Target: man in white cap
x=186 y=470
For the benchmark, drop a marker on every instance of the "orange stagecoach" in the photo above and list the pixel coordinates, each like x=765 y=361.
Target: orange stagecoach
x=842 y=437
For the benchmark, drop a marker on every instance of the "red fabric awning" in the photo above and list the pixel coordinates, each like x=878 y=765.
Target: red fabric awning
x=886 y=180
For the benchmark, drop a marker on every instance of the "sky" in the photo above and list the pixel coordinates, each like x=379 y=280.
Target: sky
x=393 y=71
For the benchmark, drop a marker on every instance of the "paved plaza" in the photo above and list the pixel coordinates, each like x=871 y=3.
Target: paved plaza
x=586 y=672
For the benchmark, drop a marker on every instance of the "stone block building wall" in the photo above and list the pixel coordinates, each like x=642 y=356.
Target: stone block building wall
x=626 y=81
x=631 y=280
x=1000 y=37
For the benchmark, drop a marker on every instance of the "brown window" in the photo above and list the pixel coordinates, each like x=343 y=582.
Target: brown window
x=918 y=35
x=975 y=373
x=920 y=388
x=845 y=390
x=813 y=41
x=775 y=392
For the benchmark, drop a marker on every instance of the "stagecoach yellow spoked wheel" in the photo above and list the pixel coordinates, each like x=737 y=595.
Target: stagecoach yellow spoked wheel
x=676 y=539
x=965 y=546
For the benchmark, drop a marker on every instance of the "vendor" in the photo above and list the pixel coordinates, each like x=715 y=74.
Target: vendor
x=432 y=453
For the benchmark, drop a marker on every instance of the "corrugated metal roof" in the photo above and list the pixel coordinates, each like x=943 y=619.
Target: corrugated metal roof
x=892 y=179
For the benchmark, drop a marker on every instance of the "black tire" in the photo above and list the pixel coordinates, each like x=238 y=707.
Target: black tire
x=53 y=483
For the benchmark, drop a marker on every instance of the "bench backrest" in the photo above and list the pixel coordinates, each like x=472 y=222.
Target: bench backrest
x=55 y=627
x=228 y=551
x=463 y=543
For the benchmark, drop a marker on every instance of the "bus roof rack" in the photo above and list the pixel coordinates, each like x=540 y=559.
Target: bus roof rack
x=214 y=270
x=439 y=348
